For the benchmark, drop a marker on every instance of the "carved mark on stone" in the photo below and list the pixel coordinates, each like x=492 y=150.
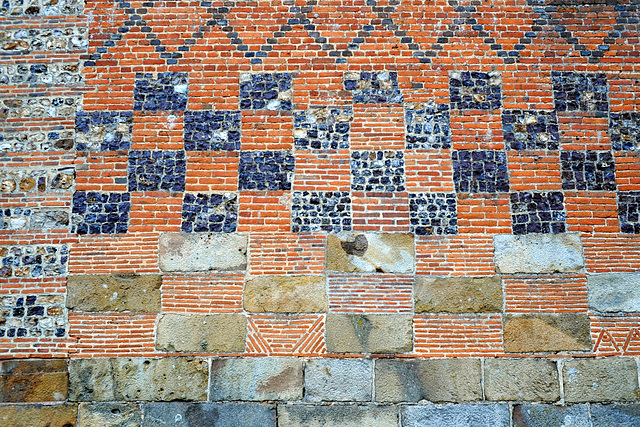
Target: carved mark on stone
x=358 y=247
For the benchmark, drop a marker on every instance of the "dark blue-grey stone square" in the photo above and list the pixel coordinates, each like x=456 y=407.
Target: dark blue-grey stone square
x=588 y=170
x=316 y=211
x=427 y=126
x=209 y=213
x=433 y=213
x=377 y=171
x=374 y=87
x=629 y=211
x=624 y=129
x=154 y=170
x=538 y=212
x=266 y=91
x=168 y=91
x=580 y=91
x=266 y=170
x=530 y=130
x=100 y=213
x=103 y=130
x=322 y=128
x=475 y=90
x=480 y=171
x=212 y=130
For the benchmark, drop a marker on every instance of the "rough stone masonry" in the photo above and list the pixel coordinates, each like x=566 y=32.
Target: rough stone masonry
x=304 y=213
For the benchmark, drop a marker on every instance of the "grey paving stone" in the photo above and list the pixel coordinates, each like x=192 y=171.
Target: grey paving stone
x=614 y=292
x=615 y=415
x=338 y=380
x=371 y=333
x=202 y=252
x=521 y=380
x=538 y=253
x=611 y=379
x=178 y=414
x=536 y=415
x=337 y=415
x=461 y=415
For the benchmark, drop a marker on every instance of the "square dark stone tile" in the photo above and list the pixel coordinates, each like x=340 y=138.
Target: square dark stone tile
x=266 y=91
x=322 y=128
x=624 y=129
x=374 y=87
x=433 y=213
x=266 y=170
x=103 y=130
x=153 y=170
x=377 y=171
x=475 y=90
x=316 y=211
x=535 y=212
x=100 y=213
x=480 y=171
x=588 y=170
x=629 y=211
x=530 y=130
x=427 y=126
x=209 y=213
x=212 y=130
x=580 y=91
x=168 y=91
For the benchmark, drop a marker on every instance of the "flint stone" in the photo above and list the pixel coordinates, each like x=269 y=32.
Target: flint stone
x=336 y=415
x=114 y=292
x=338 y=380
x=372 y=333
x=202 y=252
x=600 y=380
x=256 y=379
x=458 y=294
x=33 y=380
x=134 y=379
x=286 y=294
x=614 y=292
x=382 y=253
x=177 y=414
x=530 y=415
x=538 y=253
x=531 y=333
x=615 y=415
x=214 y=333
x=521 y=379
x=109 y=415
x=462 y=415
x=436 y=380
x=39 y=415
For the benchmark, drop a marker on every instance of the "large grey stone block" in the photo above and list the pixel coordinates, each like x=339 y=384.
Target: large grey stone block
x=458 y=294
x=371 y=252
x=33 y=380
x=114 y=292
x=286 y=294
x=214 y=333
x=613 y=379
x=202 y=251
x=256 y=379
x=530 y=415
x=337 y=415
x=615 y=415
x=176 y=414
x=436 y=380
x=64 y=415
x=338 y=380
x=461 y=415
x=529 y=333
x=538 y=253
x=521 y=379
x=371 y=333
x=109 y=415
x=138 y=378
x=614 y=292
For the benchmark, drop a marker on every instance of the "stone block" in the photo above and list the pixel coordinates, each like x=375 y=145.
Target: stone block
x=63 y=415
x=462 y=415
x=370 y=252
x=336 y=415
x=530 y=333
x=256 y=379
x=613 y=379
x=530 y=415
x=458 y=294
x=436 y=380
x=178 y=414
x=114 y=292
x=109 y=415
x=33 y=381
x=338 y=380
x=614 y=292
x=286 y=294
x=214 y=333
x=372 y=333
x=521 y=379
x=615 y=415
x=202 y=252
x=134 y=379
x=538 y=253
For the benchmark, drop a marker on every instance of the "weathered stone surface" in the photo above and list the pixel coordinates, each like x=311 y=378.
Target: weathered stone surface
x=177 y=414
x=521 y=379
x=114 y=292
x=458 y=294
x=550 y=415
x=286 y=294
x=133 y=379
x=463 y=415
x=336 y=415
x=436 y=380
x=600 y=380
x=615 y=415
x=383 y=253
x=39 y=415
x=546 y=332
x=538 y=253
x=33 y=381
x=202 y=251
x=372 y=333
x=215 y=333
x=109 y=415
x=614 y=292
x=338 y=380
x=256 y=379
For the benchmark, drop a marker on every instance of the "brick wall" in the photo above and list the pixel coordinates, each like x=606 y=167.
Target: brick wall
x=385 y=195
